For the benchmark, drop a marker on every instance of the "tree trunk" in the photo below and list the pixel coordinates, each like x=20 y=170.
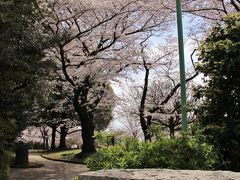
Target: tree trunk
x=21 y=157
x=53 y=144
x=47 y=146
x=44 y=143
x=87 y=134
x=63 y=134
x=143 y=122
x=87 y=124
x=172 y=132
x=44 y=137
x=171 y=127
x=148 y=134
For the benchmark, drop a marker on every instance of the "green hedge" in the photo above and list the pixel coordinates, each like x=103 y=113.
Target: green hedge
x=182 y=153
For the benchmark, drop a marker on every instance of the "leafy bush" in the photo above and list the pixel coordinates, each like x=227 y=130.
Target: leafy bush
x=182 y=153
x=101 y=139
x=125 y=155
x=104 y=139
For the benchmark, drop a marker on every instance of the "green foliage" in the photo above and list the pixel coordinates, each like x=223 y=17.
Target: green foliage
x=56 y=107
x=218 y=114
x=21 y=51
x=183 y=153
x=75 y=178
x=102 y=113
x=104 y=139
x=101 y=138
x=125 y=155
x=102 y=117
x=155 y=130
x=4 y=160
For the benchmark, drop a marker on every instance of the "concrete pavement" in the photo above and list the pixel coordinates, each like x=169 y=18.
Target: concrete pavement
x=52 y=170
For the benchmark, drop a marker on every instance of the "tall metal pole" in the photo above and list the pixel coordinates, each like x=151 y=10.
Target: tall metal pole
x=182 y=65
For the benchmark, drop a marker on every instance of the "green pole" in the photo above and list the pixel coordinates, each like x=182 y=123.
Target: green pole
x=182 y=66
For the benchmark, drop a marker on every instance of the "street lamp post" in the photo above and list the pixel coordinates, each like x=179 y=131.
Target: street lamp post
x=182 y=66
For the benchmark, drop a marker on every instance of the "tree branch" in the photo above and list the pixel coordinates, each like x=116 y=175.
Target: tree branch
x=74 y=131
x=173 y=91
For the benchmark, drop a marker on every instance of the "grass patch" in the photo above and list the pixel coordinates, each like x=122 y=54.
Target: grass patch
x=65 y=155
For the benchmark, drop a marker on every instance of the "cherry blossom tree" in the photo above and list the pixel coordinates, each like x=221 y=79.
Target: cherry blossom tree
x=160 y=102
x=149 y=62
x=202 y=14
x=208 y=9
x=156 y=99
x=97 y=41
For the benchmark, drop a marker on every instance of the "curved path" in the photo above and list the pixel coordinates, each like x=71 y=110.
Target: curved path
x=51 y=170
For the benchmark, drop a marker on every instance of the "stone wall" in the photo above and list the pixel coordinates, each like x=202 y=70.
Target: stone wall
x=159 y=174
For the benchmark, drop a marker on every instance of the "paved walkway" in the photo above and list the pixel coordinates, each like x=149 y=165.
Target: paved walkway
x=51 y=170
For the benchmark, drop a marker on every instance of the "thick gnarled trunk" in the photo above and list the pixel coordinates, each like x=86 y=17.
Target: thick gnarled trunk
x=87 y=133
x=85 y=119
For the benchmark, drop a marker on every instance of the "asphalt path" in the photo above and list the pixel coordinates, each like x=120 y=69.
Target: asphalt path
x=51 y=170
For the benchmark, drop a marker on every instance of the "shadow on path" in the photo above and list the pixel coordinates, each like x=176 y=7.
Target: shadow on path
x=51 y=170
